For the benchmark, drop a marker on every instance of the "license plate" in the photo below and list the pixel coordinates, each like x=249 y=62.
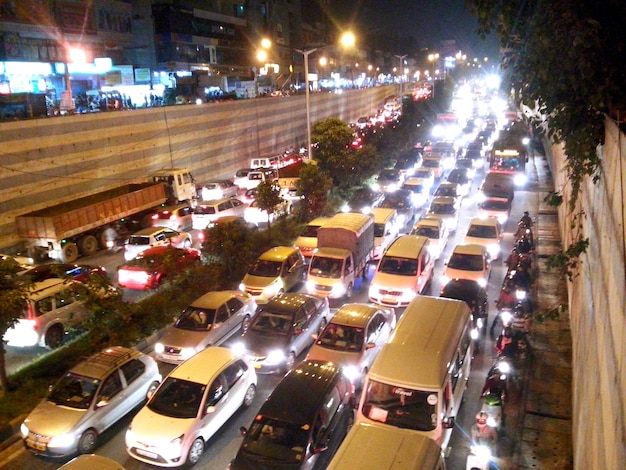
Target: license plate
x=146 y=453
x=257 y=365
x=41 y=446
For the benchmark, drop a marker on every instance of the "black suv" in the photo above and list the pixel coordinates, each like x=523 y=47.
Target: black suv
x=302 y=423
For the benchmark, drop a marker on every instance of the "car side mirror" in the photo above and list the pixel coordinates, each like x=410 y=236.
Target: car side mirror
x=243 y=431
x=448 y=423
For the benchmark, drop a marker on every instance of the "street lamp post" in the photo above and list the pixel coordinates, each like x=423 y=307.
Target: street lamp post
x=307 y=97
x=401 y=57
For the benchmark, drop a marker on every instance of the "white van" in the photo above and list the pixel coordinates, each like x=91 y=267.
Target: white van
x=386 y=229
x=405 y=270
x=52 y=308
x=376 y=447
x=422 y=394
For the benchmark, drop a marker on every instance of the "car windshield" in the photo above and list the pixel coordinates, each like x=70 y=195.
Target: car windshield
x=138 y=240
x=416 y=188
x=466 y=262
x=342 y=338
x=266 y=268
x=423 y=174
x=394 y=201
x=400 y=407
x=446 y=191
x=276 y=441
x=442 y=208
x=212 y=186
x=272 y=322
x=310 y=231
x=398 y=266
x=196 y=319
x=495 y=205
x=482 y=231
x=431 y=163
x=426 y=231
x=326 y=267
x=177 y=398
x=389 y=175
x=379 y=230
x=457 y=177
x=74 y=391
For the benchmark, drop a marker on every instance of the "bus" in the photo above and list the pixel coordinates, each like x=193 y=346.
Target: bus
x=509 y=161
x=418 y=379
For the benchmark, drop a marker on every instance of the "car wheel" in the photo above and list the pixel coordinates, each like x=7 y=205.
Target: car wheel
x=249 y=396
x=152 y=388
x=195 y=451
x=245 y=324
x=290 y=361
x=87 y=442
x=54 y=336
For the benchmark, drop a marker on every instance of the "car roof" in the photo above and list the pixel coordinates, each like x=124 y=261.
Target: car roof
x=309 y=382
x=430 y=221
x=444 y=200
x=216 y=298
x=278 y=253
x=215 y=202
x=491 y=221
x=172 y=207
x=469 y=249
x=357 y=315
x=149 y=231
x=40 y=289
x=100 y=364
x=287 y=302
x=159 y=250
x=461 y=289
x=203 y=366
x=318 y=221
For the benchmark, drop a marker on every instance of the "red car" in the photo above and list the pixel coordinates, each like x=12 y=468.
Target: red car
x=153 y=265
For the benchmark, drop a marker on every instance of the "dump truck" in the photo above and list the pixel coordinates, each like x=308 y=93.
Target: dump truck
x=76 y=228
x=344 y=247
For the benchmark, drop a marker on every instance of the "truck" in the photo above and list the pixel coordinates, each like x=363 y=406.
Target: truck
x=288 y=177
x=344 y=248
x=65 y=231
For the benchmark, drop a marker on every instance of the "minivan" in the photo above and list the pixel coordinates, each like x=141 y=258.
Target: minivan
x=302 y=423
x=209 y=211
x=405 y=270
x=52 y=308
x=376 y=447
x=386 y=229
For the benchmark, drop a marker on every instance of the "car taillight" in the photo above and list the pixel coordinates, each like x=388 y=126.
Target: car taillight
x=155 y=216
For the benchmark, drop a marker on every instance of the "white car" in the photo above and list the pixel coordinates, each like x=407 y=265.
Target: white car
x=219 y=190
x=190 y=406
x=427 y=176
x=468 y=262
x=255 y=215
x=485 y=231
x=210 y=211
x=155 y=236
x=436 y=231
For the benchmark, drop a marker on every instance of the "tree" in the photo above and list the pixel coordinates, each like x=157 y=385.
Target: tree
x=267 y=199
x=314 y=186
x=13 y=298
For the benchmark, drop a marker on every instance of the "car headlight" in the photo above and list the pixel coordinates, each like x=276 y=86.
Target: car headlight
x=273 y=288
x=62 y=440
x=242 y=287
x=482 y=282
x=375 y=186
x=238 y=348
x=186 y=353
x=159 y=348
x=366 y=210
x=338 y=289
x=392 y=187
x=493 y=250
x=24 y=430
x=373 y=290
x=519 y=180
x=444 y=280
x=351 y=372
x=345 y=208
x=276 y=356
x=310 y=286
x=174 y=447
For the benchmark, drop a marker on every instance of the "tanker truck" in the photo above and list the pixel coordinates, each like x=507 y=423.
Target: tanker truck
x=65 y=231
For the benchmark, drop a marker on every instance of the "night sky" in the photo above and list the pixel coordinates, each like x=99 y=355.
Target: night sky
x=427 y=21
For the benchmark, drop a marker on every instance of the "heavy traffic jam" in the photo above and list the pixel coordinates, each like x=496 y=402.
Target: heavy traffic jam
x=352 y=347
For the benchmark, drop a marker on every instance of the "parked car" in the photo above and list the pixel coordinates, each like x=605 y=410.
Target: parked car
x=353 y=338
x=76 y=272
x=436 y=231
x=468 y=262
x=277 y=270
x=447 y=209
x=255 y=215
x=150 y=268
x=87 y=400
x=219 y=190
x=302 y=423
x=209 y=211
x=402 y=201
x=155 y=236
x=486 y=231
x=178 y=217
x=189 y=407
x=363 y=200
x=282 y=329
x=209 y=321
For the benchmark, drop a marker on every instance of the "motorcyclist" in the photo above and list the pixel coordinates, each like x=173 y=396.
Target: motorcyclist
x=520 y=278
x=482 y=433
x=505 y=345
x=110 y=236
x=526 y=220
x=507 y=298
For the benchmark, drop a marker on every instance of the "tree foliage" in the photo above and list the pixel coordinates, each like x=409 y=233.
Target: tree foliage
x=267 y=199
x=314 y=185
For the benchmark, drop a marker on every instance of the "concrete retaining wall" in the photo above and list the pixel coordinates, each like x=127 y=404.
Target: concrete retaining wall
x=47 y=161
x=598 y=309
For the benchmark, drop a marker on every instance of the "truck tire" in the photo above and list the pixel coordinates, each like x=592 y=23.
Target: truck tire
x=88 y=245
x=69 y=253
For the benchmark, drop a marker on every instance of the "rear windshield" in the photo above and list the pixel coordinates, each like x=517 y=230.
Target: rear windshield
x=310 y=231
x=466 y=262
x=204 y=210
x=139 y=240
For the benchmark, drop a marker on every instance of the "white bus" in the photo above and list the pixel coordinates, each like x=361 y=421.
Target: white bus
x=418 y=379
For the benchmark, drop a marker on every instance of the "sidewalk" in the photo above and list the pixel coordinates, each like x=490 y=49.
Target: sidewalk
x=545 y=438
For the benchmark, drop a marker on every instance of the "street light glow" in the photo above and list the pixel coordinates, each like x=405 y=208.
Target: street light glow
x=348 y=40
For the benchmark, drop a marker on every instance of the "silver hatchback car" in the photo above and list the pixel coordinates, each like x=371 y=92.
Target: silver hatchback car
x=208 y=321
x=155 y=236
x=87 y=400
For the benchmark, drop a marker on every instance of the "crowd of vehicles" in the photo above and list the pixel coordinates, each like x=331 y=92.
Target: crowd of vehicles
x=360 y=348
